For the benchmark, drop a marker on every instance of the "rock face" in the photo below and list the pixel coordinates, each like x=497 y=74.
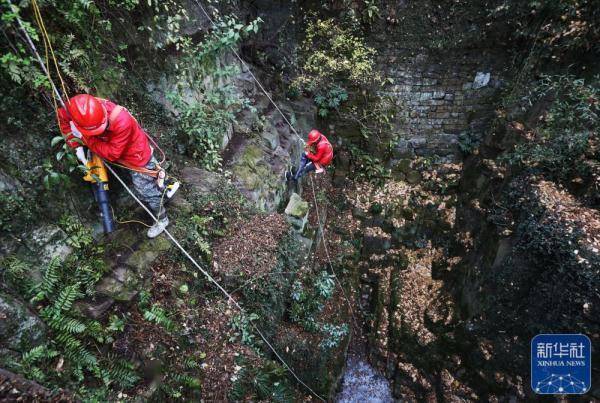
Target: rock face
x=258 y=164
x=129 y=272
x=297 y=212
x=20 y=329
x=48 y=242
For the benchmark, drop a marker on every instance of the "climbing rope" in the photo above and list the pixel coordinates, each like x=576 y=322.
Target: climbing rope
x=252 y=75
x=155 y=218
x=326 y=248
x=322 y=225
x=216 y=283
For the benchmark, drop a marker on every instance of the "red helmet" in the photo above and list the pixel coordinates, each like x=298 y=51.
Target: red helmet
x=313 y=137
x=88 y=114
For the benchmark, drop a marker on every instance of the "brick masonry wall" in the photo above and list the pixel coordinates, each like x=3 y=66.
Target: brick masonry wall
x=437 y=99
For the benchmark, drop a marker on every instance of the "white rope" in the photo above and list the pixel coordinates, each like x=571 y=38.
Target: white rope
x=174 y=240
x=322 y=227
x=215 y=282
x=302 y=140
x=254 y=77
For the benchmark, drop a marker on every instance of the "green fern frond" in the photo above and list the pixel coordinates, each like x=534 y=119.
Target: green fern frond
x=50 y=280
x=35 y=354
x=122 y=373
x=67 y=296
x=158 y=315
x=187 y=380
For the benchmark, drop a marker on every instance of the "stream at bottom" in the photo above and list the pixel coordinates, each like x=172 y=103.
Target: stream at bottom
x=363 y=383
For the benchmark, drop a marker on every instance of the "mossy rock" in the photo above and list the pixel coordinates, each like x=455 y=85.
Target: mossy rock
x=122 y=285
x=297 y=207
x=404 y=166
x=320 y=369
x=20 y=329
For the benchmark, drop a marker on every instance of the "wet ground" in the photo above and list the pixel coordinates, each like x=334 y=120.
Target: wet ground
x=362 y=383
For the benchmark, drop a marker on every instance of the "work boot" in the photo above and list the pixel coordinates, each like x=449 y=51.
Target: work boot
x=158 y=227
x=172 y=187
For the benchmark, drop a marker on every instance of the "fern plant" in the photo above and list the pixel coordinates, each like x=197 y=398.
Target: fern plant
x=265 y=383
x=159 y=316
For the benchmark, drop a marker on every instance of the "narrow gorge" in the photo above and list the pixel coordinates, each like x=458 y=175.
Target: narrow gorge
x=458 y=220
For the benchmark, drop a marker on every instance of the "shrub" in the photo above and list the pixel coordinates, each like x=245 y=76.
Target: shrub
x=567 y=132
x=205 y=111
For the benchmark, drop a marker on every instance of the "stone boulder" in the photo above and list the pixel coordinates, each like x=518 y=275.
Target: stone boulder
x=48 y=242
x=20 y=329
x=256 y=171
x=297 y=212
x=128 y=275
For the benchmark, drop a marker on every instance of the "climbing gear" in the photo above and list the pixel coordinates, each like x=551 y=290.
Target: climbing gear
x=158 y=228
x=313 y=137
x=171 y=237
x=88 y=114
x=98 y=177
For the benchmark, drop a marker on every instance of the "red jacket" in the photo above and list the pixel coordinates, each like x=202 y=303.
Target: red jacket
x=123 y=141
x=323 y=154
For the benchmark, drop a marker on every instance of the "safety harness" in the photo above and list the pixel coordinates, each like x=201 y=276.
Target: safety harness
x=159 y=173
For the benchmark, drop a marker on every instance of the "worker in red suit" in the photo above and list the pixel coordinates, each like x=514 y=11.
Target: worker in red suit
x=318 y=153
x=110 y=131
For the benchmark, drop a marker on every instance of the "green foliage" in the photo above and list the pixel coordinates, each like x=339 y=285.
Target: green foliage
x=13 y=205
x=207 y=110
x=67 y=162
x=307 y=304
x=79 y=235
x=15 y=274
x=33 y=360
x=331 y=100
x=242 y=324
x=566 y=133
x=198 y=233
x=159 y=316
x=71 y=353
x=561 y=30
x=265 y=383
x=334 y=334
x=325 y=285
x=369 y=167
x=467 y=142
x=332 y=53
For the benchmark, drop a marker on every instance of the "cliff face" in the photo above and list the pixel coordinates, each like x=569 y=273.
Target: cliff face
x=453 y=241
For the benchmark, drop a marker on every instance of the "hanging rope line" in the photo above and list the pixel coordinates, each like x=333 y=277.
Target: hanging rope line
x=171 y=237
x=49 y=52
x=322 y=225
x=211 y=279
x=252 y=75
x=326 y=248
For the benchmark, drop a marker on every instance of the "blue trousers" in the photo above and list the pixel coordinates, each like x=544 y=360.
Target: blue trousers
x=305 y=167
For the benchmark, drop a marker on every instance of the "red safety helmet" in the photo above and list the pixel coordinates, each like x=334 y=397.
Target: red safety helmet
x=88 y=114
x=313 y=137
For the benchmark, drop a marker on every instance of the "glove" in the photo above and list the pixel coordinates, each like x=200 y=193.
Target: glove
x=74 y=131
x=81 y=155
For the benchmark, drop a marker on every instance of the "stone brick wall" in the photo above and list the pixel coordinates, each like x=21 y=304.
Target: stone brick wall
x=437 y=99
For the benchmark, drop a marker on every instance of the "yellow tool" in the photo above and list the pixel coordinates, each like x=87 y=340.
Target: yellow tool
x=96 y=171
x=98 y=176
